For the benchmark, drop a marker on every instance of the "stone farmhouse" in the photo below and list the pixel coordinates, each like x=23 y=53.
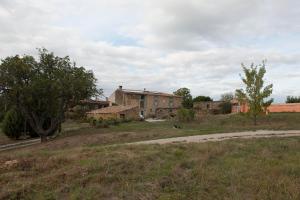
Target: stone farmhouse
x=206 y=107
x=149 y=103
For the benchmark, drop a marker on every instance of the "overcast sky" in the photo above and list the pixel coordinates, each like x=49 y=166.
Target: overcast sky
x=162 y=45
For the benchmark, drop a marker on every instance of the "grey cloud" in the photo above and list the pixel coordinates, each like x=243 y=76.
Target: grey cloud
x=185 y=43
x=195 y=24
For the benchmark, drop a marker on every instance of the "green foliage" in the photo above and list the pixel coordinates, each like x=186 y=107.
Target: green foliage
x=13 y=124
x=185 y=115
x=187 y=101
x=202 y=98
x=292 y=99
x=3 y=107
x=44 y=89
x=113 y=121
x=225 y=107
x=255 y=93
x=101 y=124
x=227 y=97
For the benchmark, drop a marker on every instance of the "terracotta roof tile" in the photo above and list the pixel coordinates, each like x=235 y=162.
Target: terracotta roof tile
x=111 y=109
x=145 y=92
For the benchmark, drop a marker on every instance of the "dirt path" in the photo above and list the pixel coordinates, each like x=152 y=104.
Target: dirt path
x=19 y=144
x=223 y=136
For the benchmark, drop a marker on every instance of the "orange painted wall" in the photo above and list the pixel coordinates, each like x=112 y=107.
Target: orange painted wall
x=274 y=108
x=288 y=107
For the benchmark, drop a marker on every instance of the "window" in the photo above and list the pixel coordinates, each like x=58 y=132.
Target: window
x=142 y=101
x=171 y=102
x=207 y=106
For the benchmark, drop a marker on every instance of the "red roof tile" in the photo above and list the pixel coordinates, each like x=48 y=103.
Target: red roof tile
x=111 y=109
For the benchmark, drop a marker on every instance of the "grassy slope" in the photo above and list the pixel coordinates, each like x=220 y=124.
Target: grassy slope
x=137 y=131
x=238 y=169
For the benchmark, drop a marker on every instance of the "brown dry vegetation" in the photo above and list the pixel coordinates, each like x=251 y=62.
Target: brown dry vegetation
x=75 y=134
x=238 y=169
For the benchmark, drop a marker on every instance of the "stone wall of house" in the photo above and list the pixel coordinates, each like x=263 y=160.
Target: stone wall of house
x=206 y=107
x=130 y=114
x=163 y=113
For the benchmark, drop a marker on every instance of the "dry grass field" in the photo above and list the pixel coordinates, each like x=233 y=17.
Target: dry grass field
x=82 y=164
x=237 y=169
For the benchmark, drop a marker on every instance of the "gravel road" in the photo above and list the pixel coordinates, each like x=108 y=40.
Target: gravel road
x=223 y=136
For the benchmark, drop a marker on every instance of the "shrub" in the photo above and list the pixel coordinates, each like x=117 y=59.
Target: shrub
x=126 y=120
x=98 y=124
x=185 y=115
x=105 y=124
x=112 y=121
x=13 y=124
x=92 y=121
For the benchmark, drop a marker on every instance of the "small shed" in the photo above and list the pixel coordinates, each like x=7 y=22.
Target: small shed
x=116 y=112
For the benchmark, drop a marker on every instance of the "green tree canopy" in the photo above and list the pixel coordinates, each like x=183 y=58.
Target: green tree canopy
x=292 y=99
x=187 y=101
x=202 y=98
x=43 y=89
x=255 y=92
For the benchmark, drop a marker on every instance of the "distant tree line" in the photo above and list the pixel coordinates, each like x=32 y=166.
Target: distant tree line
x=292 y=99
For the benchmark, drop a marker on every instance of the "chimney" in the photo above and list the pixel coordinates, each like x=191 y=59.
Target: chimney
x=144 y=89
x=120 y=87
x=106 y=98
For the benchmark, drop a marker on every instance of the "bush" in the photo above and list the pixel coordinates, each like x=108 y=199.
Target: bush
x=126 y=120
x=13 y=124
x=92 y=121
x=105 y=123
x=185 y=115
x=112 y=121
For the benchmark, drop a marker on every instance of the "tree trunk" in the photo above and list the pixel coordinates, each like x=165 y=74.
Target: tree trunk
x=255 y=120
x=43 y=138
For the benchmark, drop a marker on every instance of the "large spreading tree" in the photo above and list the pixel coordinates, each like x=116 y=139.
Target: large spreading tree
x=255 y=94
x=42 y=90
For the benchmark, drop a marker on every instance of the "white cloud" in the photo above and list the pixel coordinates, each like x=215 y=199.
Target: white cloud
x=197 y=44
